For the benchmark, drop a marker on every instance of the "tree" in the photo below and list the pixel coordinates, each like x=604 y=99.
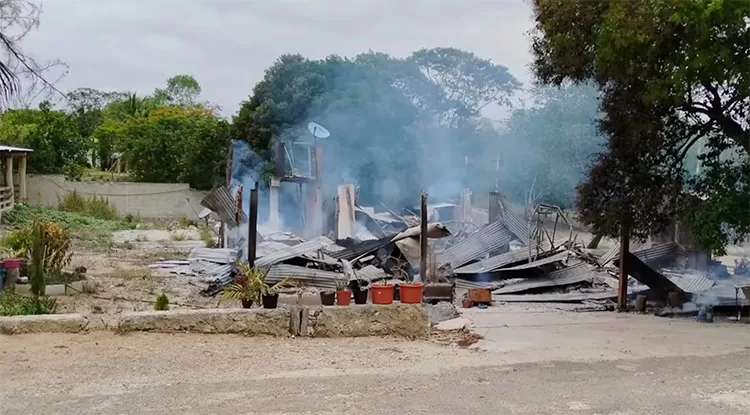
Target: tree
x=175 y=145
x=549 y=146
x=683 y=65
x=385 y=117
x=53 y=135
x=181 y=91
x=85 y=105
x=469 y=82
x=23 y=79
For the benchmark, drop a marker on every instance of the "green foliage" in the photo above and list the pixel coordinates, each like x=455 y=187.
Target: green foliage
x=53 y=135
x=177 y=145
x=97 y=232
x=671 y=73
x=16 y=243
x=162 y=303
x=207 y=236
x=16 y=305
x=396 y=129
x=181 y=91
x=96 y=207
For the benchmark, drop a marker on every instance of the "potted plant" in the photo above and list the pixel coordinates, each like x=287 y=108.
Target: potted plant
x=327 y=297
x=343 y=295
x=269 y=294
x=242 y=289
x=382 y=293
x=360 y=291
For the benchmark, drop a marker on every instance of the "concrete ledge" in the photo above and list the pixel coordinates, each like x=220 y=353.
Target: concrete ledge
x=403 y=320
x=44 y=323
x=222 y=320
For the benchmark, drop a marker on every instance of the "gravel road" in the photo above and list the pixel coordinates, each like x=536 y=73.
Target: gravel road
x=633 y=373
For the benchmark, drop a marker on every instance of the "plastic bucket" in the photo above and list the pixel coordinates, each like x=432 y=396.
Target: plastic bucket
x=411 y=293
x=382 y=294
x=11 y=264
x=343 y=297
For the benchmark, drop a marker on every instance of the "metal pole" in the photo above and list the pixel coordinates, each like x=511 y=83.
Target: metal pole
x=423 y=238
x=622 y=287
x=252 y=227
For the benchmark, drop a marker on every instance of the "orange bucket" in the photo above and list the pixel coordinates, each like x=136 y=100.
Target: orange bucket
x=382 y=294
x=343 y=297
x=410 y=293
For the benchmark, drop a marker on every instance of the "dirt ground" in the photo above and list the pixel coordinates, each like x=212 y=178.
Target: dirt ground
x=532 y=361
x=119 y=279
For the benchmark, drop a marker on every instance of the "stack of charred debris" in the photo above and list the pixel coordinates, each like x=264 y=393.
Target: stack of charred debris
x=519 y=260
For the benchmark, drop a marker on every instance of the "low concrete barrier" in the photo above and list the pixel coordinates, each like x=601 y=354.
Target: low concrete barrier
x=404 y=320
x=45 y=323
x=258 y=322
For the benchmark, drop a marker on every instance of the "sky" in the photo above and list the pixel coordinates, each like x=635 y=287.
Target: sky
x=135 y=45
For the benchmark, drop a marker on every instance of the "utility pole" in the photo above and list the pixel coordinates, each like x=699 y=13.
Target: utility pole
x=622 y=287
x=252 y=227
x=423 y=238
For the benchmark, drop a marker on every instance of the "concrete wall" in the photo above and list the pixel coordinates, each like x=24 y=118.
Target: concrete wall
x=149 y=200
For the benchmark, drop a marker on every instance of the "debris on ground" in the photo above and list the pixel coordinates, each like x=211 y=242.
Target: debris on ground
x=459 y=323
x=455 y=338
x=442 y=311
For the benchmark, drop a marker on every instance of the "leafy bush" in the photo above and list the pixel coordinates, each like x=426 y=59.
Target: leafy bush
x=17 y=305
x=97 y=207
x=162 y=303
x=53 y=239
x=81 y=226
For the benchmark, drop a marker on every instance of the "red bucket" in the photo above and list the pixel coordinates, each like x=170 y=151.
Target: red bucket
x=11 y=264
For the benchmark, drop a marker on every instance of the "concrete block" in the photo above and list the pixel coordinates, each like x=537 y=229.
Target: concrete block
x=304 y=328
x=294 y=321
x=258 y=321
x=403 y=320
x=44 y=323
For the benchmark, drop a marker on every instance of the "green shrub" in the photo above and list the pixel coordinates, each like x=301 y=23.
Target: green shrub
x=97 y=207
x=162 y=303
x=16 y=243
x=18 y=305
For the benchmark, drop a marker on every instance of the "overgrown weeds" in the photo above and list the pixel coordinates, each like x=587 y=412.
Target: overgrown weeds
x=84 y=228
x=17 y=305
x=97 y=207
x=207 y=236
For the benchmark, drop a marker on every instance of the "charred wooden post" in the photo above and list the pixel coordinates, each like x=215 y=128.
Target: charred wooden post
x=238 y=210
x=622 y=287
x=252 y=228
x=423 y=239
x=273 y=203
x=345 y=220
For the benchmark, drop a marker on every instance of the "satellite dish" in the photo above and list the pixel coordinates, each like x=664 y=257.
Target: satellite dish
x=317 y=130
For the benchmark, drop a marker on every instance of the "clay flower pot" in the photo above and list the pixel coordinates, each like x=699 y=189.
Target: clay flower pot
x=343 y=297
x=411 y=293
x=247 y=303
x=467 y=303
x=382 y=293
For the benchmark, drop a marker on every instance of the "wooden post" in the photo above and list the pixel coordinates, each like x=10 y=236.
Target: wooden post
x=9 y=178
x=622 y=287
x=22 y=178
x=252 y=231
x=494 y=208
x=423 y=238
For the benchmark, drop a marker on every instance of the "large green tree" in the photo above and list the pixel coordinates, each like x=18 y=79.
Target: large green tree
x=394 y=130
x=53 y=135
x=671 y=73
x=174 y=144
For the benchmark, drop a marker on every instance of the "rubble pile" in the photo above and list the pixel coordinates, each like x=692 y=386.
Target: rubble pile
x=519 y=261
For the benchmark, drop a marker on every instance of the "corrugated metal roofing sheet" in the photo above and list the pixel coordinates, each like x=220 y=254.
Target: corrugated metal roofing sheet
x=689 y=282
x=562 y=256
x=293 y=251
x=614 y=252
x=646 y=275
x=517 y=226
x=571 y=275
x=11 y=149
x=498 y=261
x=222 y=202
x=555 y=298
x=371 y=273
x=491 y=237
x=310 y=276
